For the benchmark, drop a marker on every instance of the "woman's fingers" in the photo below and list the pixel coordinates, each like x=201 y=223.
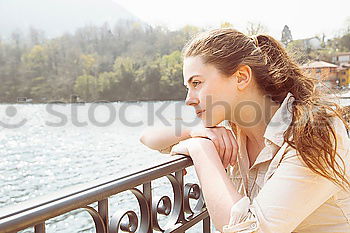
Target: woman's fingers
x=217 y=140
x=234 y=154
x=206 y=133
x=228 y=148
x=215 y=135
x=179 y=148
x=224 y=142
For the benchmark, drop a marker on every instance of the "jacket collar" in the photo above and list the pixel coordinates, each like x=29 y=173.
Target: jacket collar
x=280 y=121
x=274 y=133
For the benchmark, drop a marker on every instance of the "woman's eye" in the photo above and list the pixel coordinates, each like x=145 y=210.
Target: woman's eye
x=195 y=83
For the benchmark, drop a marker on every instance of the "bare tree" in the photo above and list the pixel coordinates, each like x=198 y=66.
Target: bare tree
x=254 y=28
x=347 y=25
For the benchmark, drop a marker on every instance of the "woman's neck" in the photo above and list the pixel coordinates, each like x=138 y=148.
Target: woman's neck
x=255 y=118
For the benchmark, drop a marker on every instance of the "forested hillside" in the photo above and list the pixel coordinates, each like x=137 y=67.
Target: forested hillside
x=127 y=62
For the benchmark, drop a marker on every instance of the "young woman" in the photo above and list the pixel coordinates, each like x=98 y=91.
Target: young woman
x=282 y=162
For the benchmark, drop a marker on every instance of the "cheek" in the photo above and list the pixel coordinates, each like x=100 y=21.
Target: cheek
x=221 y=102
x=208 y=91
x=207 y=96
x=215 y=93
x=222 y=94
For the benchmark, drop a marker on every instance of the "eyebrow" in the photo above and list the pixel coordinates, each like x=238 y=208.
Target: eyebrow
x=192 y=77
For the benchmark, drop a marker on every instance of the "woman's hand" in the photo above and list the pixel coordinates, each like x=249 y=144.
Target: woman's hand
x=181 y=148
x=224 y=141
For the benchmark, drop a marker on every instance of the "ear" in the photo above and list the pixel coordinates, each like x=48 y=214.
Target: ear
x=244 y=77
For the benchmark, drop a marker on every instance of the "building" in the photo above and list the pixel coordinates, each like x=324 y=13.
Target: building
x=341 y=58
x=324 y=71
x=344 y=75
x=312 y=43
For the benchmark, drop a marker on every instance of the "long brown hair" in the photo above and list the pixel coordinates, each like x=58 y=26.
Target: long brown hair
x=311 y=132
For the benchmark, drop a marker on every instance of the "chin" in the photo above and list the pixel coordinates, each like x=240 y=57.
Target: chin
x=209 y=123
x=210 y=119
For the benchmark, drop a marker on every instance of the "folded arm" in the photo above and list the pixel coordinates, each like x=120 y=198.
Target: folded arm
x=161 y=138
x=218 y=190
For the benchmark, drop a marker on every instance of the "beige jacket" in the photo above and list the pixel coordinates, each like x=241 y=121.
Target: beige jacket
x=281 y=193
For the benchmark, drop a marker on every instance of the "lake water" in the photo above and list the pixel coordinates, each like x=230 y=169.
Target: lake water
x=46 y=147
x=63 y=145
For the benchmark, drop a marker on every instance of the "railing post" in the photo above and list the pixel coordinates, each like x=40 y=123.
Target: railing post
x=39 y=228
x=147 y=192
x=103 y=211
x=206 y=225
x=180 y=178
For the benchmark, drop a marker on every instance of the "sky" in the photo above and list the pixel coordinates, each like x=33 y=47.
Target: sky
x=305 y=18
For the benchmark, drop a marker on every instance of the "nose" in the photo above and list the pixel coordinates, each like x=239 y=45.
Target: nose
x=191 y=100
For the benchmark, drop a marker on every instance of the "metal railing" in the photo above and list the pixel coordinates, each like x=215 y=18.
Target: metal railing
x=35 y=213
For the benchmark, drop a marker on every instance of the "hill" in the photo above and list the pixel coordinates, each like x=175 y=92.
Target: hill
x=56 y=17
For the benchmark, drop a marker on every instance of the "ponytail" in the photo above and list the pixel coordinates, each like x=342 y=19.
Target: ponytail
x=311 y=133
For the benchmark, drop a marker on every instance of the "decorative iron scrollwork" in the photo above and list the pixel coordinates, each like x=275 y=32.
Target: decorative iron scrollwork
x=132 y=222
x=193 y=191
x=128 y=226
x=128 y=220
x=172 y=210
x=99 y=224
x=160 y=205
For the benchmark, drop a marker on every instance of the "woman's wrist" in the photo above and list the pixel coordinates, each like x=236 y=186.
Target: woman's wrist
x=198 y=143
x=194 y=132
x=186 y=133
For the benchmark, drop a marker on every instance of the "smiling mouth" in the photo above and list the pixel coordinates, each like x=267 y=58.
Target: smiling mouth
x=200 y=113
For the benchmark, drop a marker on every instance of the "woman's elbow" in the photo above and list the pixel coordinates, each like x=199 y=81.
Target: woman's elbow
x=147 y=141
x=143 y=138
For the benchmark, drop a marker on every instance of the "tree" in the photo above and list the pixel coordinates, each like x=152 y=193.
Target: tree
x=86 y=86
x=286 y=36
x=36 y=61
x=37 y=37
x=40 y=88
x=347 y=26
x=344 y=42
x=226 y=25
x=88 y=64
x=152 y=78
x=107 y=84
x=126 y=73
x=171 y=75
x=254 y=28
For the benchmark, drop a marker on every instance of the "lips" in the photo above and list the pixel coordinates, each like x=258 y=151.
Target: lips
x=199 y=113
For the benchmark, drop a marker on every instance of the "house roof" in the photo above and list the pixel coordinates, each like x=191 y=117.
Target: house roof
x=319 y=64
x=344 y=66
x=342 y=54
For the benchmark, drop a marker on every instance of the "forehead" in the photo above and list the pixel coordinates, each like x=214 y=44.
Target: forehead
x=193 y=66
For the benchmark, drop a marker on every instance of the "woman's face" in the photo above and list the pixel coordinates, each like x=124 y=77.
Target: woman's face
x=211 y=93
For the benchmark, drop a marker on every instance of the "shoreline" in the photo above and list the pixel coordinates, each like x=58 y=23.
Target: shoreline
x=89 y=102
x=334 y=90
